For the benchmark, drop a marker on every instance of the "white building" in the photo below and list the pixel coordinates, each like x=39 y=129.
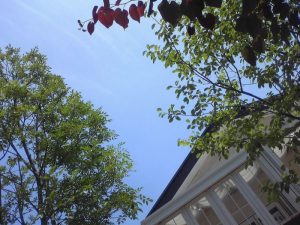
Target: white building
x=209 y=191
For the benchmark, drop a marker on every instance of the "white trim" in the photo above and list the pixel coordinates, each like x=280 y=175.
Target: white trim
x=192 y=174
x=205 y=164
x=221 y=211
x=196 y=189
x=256 y=204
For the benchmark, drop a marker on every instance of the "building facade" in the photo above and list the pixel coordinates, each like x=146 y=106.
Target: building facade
x=210 y=191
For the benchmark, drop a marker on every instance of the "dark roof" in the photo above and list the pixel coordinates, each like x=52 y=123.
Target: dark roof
x=178 y=179
x=176 y=182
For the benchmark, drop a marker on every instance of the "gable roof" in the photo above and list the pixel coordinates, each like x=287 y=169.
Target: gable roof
x=189 y=162
x=175 y=182
x=178 y=178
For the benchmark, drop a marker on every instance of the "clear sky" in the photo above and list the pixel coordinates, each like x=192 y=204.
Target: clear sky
x=109 y=70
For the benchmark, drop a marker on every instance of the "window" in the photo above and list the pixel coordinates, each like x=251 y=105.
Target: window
x=203 y=213
x=177 y=220
x=236 y=204
x=256 y=178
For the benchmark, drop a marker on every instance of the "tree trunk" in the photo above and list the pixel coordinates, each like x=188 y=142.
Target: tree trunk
x=1 y=214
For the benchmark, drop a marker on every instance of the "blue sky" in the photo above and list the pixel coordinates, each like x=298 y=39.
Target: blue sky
x=109 y=70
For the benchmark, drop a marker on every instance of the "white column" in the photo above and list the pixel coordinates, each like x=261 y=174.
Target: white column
x=196 y=189
x=189 y=217
x=219 y=208
x=276 y=161
x=275 y=177
x=258 y=207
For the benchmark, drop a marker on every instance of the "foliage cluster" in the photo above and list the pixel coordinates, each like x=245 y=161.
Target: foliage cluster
x=57 y=165
x=237 y=61
x=234 y=72
x=108 y=13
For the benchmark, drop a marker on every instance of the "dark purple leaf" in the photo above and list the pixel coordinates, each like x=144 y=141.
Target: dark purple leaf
x=150 y=9
x=95 y=15
x=80 y=24
x=91 y=27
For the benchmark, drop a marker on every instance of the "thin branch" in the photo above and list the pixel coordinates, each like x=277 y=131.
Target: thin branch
x=223 y=85
x=28 y=165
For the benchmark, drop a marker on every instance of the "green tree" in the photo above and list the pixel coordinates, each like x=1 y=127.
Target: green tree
x=239 y=58
x=57 y=163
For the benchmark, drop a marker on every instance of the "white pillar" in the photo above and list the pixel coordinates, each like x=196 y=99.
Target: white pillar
x=189 y=217
x=219 y=208
x=275 y=177
x=269 y=155
x=258 y=207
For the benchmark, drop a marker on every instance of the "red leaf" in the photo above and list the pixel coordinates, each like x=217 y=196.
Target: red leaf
x=90 y=27
x=141 y=8
x=192 y=9
x=191 y=30
x=170 y=12
x=106 y=4
x=214 y=3
x=208 y=21
x=106 y=16
x=121 y=17
x=133 y=12
x=95 y=15
x=117 y=2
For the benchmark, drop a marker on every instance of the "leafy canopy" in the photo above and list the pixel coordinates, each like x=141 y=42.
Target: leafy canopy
x=57 y=166
x=233 y=59
x=237 y=60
